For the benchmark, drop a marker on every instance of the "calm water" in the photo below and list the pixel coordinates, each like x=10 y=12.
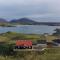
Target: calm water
x=28 y=29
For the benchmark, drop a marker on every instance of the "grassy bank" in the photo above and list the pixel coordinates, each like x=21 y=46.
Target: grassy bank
x=50 y=54
x=8 y=39
x=13 y=36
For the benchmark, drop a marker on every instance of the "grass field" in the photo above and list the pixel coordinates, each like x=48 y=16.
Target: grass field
x=49 y=54
x=13 y=36
x=9 y=39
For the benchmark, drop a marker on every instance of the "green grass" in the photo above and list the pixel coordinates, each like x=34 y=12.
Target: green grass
x=10 y=38
x=49 y=54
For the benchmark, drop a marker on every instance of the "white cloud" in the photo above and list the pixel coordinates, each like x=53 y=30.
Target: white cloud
x=21 y=2
x=30 y=8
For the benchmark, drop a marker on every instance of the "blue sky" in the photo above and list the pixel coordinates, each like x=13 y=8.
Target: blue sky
x=38 y=10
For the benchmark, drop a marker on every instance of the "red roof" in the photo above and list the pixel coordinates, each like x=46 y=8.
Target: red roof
x=23 y=43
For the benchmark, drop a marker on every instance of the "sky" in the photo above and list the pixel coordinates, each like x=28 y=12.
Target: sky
x=38 y=10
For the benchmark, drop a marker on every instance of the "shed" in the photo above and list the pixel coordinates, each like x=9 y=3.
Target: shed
x=24 y=43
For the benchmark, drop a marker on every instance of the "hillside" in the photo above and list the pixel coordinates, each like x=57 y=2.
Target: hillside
x=27 y=21
x=3 y=20
x=8 y=41
x=24 y=21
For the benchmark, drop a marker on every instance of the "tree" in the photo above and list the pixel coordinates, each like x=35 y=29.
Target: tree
x=57 y=32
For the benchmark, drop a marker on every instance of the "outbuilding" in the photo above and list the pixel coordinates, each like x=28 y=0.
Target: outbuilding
x=23 y=44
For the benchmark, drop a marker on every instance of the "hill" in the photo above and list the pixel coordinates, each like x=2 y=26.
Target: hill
x=3 y=20
x=27 y=21
x=24 y=21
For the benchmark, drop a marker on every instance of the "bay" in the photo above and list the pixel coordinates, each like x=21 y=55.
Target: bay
x=30 y=29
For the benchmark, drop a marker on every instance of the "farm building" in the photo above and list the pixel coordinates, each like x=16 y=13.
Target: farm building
x=28 y=44
x=23 y=44
x=51 y=44
x=57 y=41
x=40 y=44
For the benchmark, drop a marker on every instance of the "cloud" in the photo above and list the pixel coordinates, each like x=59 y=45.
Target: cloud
x=21 y=8
x=40 y=10
x=21 y=2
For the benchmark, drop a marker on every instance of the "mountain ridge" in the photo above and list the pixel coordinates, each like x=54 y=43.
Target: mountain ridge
x=27 y=21
x=23 y=21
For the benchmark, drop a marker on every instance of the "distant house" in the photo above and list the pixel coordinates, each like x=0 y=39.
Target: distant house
x=46 y=34
x=57 y=41
x=41 y=43
x=51 y=44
